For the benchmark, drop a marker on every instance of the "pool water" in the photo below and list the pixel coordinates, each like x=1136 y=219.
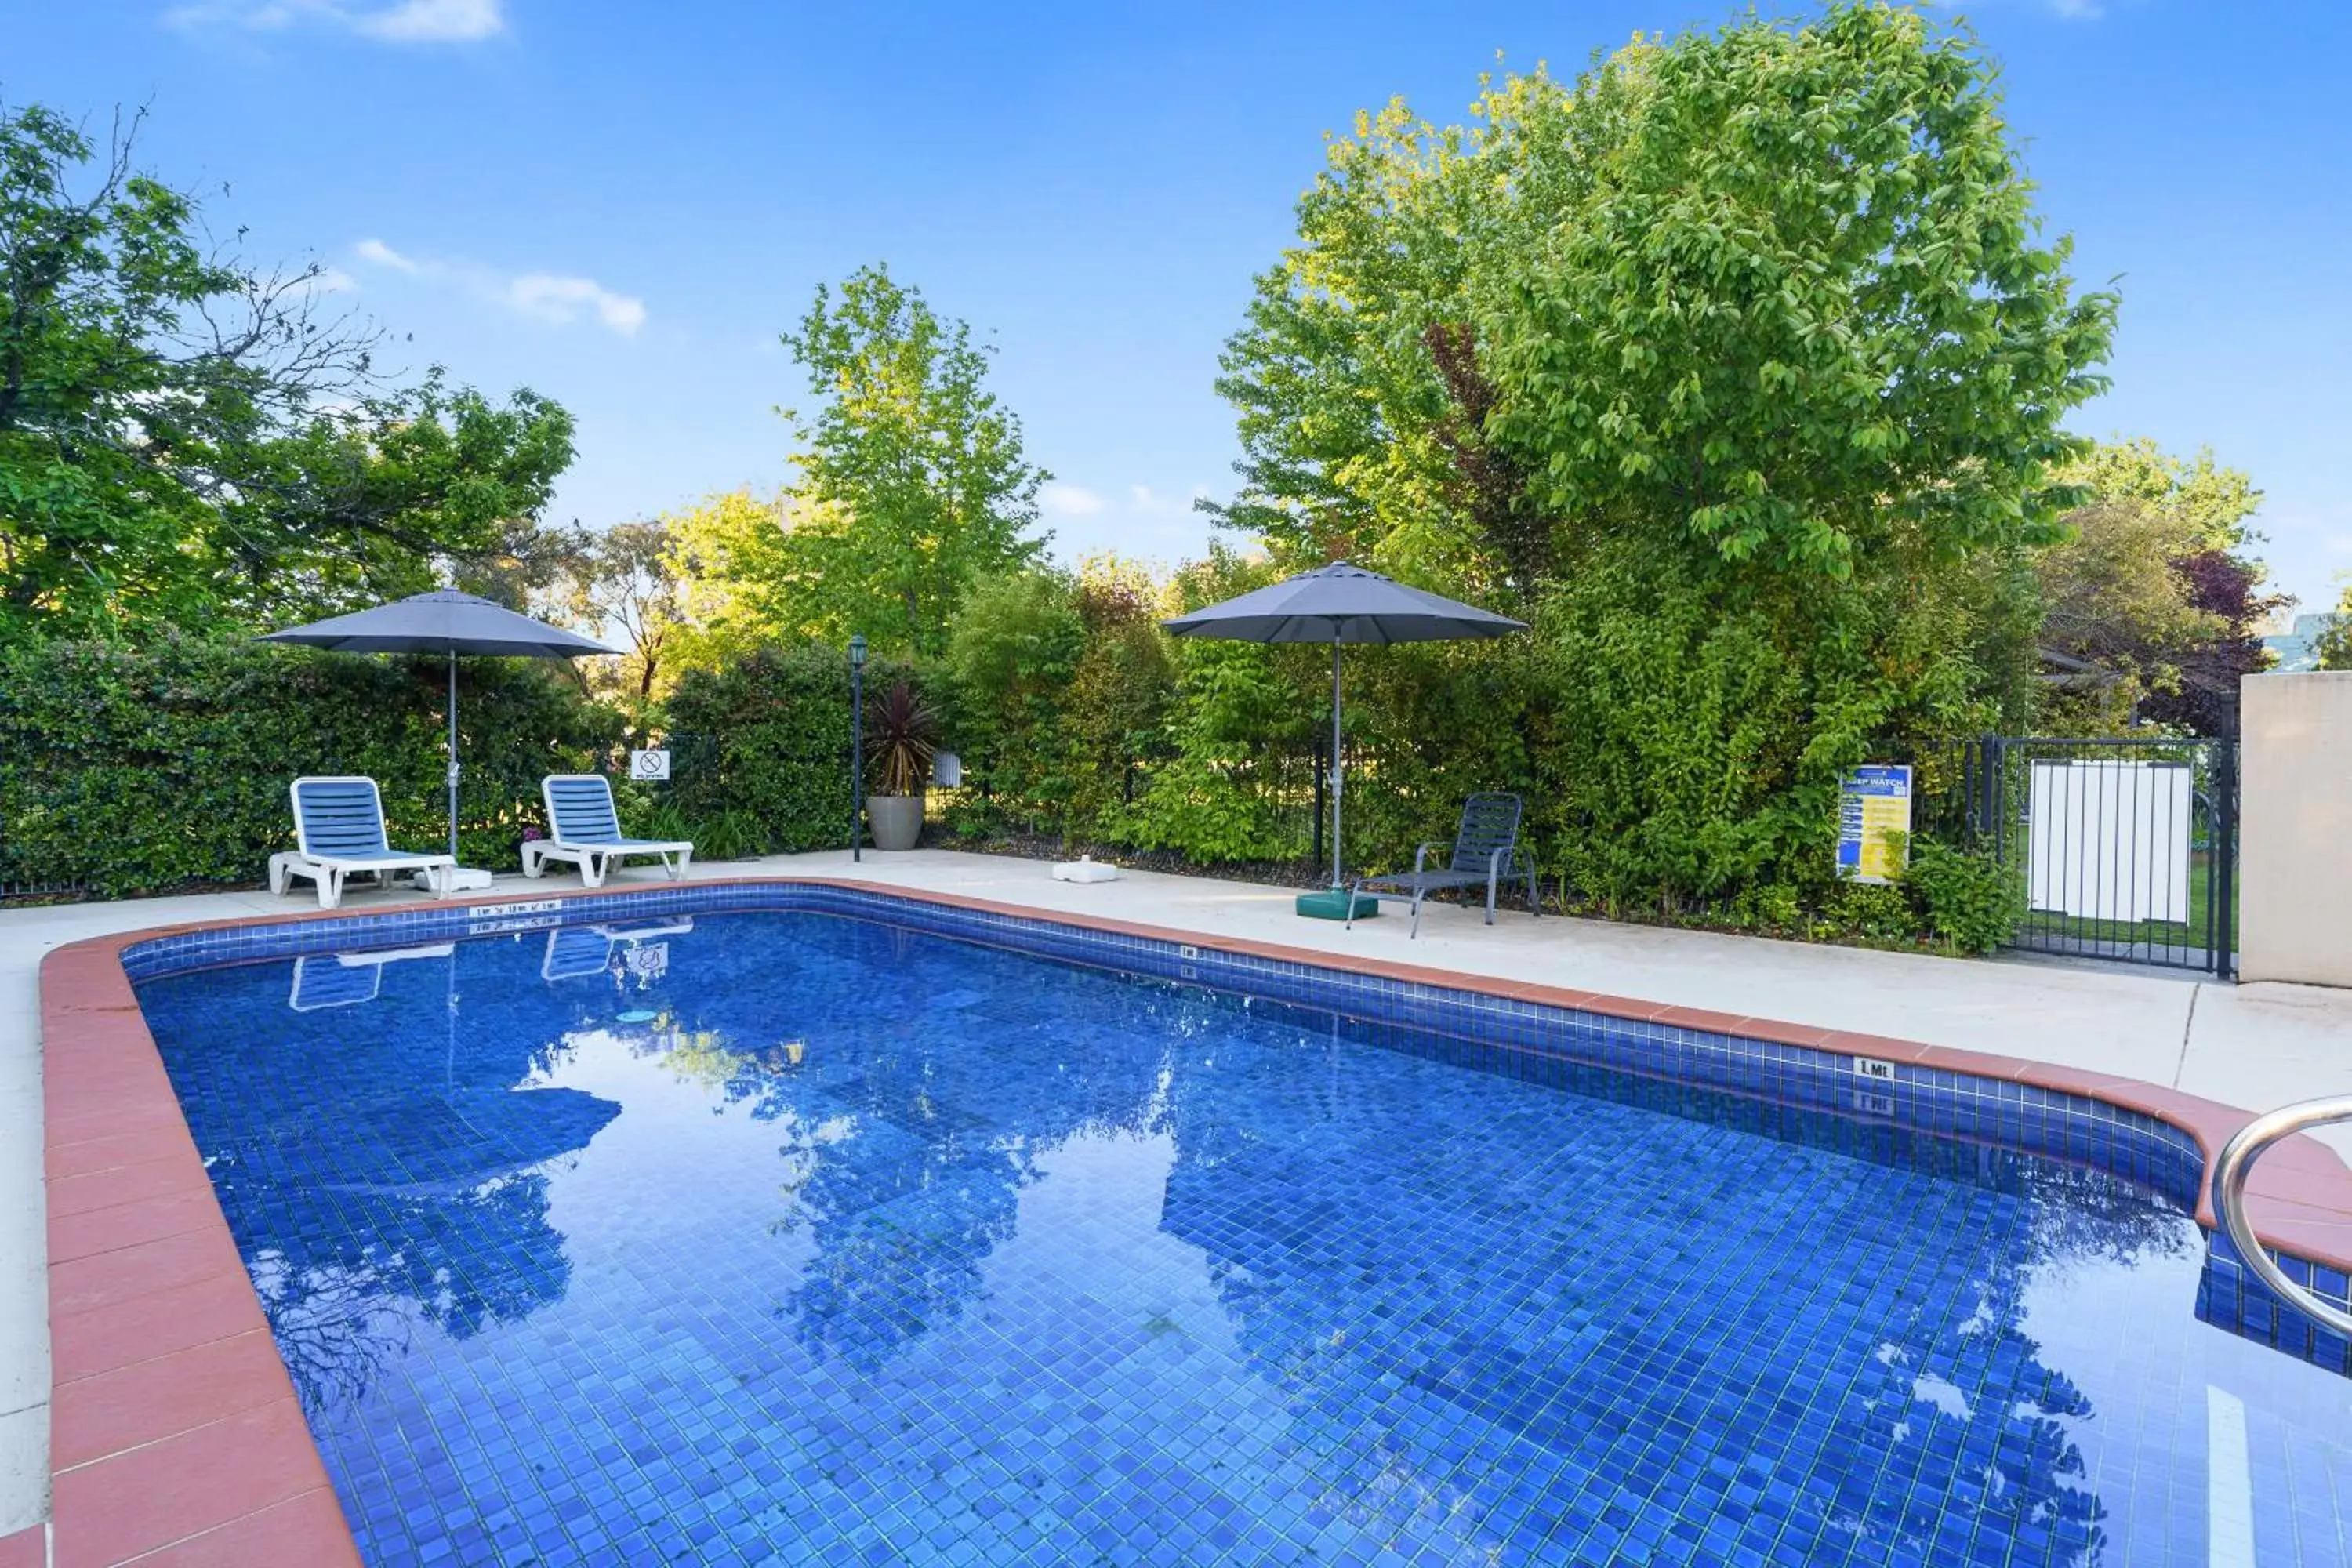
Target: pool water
x=795 y=1238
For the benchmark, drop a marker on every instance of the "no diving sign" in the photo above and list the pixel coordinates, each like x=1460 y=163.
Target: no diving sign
x=650 y=767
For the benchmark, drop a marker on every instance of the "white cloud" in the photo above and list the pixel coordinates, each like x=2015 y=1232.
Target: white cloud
x=434 y=21
x=2079 y=10
x=266 y=17
x=382 y=255
x=1069 y=500
x=557 y=299
x=1145 y=500
x=561 y=300
x=403 y=22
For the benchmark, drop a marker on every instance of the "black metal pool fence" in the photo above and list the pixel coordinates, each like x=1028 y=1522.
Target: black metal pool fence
x=68 y=892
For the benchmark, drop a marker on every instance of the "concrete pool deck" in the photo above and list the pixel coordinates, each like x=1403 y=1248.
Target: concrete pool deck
x=2254 y=1047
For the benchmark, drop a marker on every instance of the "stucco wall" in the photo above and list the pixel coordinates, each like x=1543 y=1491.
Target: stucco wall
x=2295 y=833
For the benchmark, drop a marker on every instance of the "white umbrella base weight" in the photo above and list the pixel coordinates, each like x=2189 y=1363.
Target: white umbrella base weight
x=462 y=880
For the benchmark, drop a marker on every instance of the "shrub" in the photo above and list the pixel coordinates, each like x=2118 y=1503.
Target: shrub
x=1693 y=725
x=1012 y=653
x=1209 y=813
x=1772 y=908
x=1867 y=912
x=1116 y=706
x=1966 y=896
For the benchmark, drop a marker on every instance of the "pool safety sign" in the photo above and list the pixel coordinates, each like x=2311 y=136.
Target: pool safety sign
x=1873 y=808
x=650 y=767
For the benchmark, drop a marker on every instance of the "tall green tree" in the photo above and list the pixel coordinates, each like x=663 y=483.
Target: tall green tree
x=912 y=482
x=738 y=587
x=1774 y=295
x=186 y=439
x=1739 y=363
x=621 y=583
x=2154 y=583
x=2211 y=505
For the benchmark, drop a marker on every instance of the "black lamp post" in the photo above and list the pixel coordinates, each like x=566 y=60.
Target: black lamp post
x=856 y=745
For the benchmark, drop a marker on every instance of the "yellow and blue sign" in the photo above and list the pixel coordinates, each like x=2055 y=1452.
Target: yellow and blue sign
x=1873 y=824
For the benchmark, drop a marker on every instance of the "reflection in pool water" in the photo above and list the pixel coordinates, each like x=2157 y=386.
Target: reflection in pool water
x=883 y=1246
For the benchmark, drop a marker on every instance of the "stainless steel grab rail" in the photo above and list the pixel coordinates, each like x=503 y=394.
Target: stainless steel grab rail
x=2229 y=1173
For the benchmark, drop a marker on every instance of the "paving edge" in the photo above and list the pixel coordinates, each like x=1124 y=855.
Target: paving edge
x=175 y=1428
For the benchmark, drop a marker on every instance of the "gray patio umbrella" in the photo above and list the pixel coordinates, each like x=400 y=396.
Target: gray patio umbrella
x=1340 y=603
x=445 y=622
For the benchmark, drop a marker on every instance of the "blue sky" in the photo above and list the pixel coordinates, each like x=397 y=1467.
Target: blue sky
x=621 y=204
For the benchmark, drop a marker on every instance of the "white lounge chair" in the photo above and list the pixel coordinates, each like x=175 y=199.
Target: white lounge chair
x=339 y=831
x=583 y=827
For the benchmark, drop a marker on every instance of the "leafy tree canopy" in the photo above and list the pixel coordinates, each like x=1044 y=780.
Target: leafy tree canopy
x=738 y=584
x=185 y=439
x=2210 y=503
x=2150 y=583
x=2334 y=645
x=1775 y=296
x=912 y=484
x=621 y=583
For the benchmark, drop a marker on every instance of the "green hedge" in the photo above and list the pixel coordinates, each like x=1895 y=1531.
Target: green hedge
x=1676 y=763
x=1677 y=734
x=128 y=771
x=759 y=752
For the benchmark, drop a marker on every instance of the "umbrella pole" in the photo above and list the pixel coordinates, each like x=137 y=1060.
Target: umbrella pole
x=453 y=753
x=1339 y=766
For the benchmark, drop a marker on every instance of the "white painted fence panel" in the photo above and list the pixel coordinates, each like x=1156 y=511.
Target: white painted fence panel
x=2110 y=840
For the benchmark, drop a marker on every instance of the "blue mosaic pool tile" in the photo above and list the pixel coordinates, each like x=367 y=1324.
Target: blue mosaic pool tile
x=2231 y=1298
x=1438 y=1322
x=2066 y=1126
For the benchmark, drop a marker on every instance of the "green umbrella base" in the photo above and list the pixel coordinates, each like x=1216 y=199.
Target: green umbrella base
x=1331 y=904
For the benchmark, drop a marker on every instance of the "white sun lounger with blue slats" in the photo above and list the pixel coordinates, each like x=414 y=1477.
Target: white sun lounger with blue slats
x=339 y=831
x=583 y=827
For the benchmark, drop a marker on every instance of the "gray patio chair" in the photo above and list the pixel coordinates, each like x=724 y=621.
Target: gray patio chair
x=1486 y=849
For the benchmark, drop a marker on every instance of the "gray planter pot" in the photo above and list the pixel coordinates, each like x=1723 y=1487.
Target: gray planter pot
x=896 y=820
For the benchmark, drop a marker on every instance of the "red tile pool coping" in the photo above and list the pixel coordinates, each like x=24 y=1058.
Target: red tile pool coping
x=175 y=1437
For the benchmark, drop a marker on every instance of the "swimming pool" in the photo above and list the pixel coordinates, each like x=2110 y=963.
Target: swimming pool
x=788 y=1236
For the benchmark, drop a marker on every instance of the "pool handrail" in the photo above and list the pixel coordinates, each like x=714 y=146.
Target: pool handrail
x=2230 y=1173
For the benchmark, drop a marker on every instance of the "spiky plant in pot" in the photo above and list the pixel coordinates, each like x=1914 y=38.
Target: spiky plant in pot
x=901 y=736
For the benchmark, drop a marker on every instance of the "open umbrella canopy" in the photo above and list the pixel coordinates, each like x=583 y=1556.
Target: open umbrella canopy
x=444 y=621
x=1340 y=603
